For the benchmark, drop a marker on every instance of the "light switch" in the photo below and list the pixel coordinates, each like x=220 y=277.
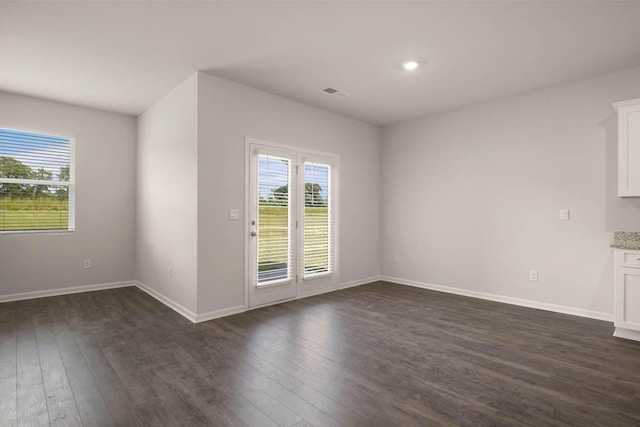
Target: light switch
x=564 y=214
x=234 y=214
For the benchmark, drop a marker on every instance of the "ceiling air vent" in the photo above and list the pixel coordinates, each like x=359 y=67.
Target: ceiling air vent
x=336 y=92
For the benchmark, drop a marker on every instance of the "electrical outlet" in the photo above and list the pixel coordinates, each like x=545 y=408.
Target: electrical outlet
x=87 y=263
x=533 y=275
x=564 y=215
x=396 y=258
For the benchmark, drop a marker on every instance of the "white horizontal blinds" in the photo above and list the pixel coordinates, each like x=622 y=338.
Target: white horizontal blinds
x=36 y=182
x=275 y=249
x=318 y=219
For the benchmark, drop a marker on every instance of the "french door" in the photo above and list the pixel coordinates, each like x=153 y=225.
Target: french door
x=292 y=227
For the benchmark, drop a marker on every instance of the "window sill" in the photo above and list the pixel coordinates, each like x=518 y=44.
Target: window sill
x=39 y=232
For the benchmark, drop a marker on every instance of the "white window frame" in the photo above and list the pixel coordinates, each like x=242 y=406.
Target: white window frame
x=71 y=184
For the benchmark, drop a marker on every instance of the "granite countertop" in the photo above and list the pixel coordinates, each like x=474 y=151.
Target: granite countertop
x=626 y=240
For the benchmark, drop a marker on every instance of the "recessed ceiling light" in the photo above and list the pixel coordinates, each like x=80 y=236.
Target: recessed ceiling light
x=410 y=65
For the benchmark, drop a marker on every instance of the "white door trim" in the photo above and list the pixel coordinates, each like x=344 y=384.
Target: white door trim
x=247 y=207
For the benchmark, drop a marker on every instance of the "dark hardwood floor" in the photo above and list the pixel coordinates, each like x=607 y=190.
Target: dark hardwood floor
x=374 y=355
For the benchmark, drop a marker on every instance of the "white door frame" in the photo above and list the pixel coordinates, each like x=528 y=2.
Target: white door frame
x=302 y=290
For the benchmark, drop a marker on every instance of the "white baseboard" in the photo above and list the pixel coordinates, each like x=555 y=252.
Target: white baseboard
x=364 y=281
x=314 y=293
x=64 y=291
x=216 y=314
x=627 y=334
x=504 y=299
x=190 y=315
x=341 y=286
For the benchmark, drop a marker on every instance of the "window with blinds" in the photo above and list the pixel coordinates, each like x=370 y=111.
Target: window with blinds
x=318 y=219
x=36 y=182
x=274 y=219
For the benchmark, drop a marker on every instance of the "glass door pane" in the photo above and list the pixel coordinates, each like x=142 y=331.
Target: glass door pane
x=275 y=249
x=317 y=219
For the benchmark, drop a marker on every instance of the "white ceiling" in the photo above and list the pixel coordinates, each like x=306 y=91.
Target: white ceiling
x=125 y=56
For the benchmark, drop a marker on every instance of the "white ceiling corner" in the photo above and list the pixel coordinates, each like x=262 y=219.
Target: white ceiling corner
x=124 y=56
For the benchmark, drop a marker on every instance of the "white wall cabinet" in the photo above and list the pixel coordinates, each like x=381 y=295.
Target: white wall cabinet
x=628 y=148
x=627 y=294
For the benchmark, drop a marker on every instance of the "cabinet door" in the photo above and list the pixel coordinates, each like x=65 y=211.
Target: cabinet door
x=629 y=151
x=627 y=298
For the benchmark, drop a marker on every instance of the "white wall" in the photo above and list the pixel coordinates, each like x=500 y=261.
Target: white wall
x=105 y=201
x=167 y=189
x=229 y=112
x=471 y=197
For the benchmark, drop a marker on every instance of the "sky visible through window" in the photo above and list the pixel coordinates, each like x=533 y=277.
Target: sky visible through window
x=38 y=151
x=273 y=174
x=316 y=178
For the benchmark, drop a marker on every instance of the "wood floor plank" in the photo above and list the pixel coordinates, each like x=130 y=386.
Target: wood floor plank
x=118 y=400
x=474 y=372
x=64 y=413
x=330 y=406
x=294 y=403
x=248 y=413
x=91 y=406
x=324 y=380
x=375 y=355
x=438 y=379
x=56 y=384
x=31 y=400
x=372 y=392
x=8 y=391
x=8 y=369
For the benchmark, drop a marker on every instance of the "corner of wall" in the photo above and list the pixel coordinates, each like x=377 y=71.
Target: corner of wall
x=166 y=202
